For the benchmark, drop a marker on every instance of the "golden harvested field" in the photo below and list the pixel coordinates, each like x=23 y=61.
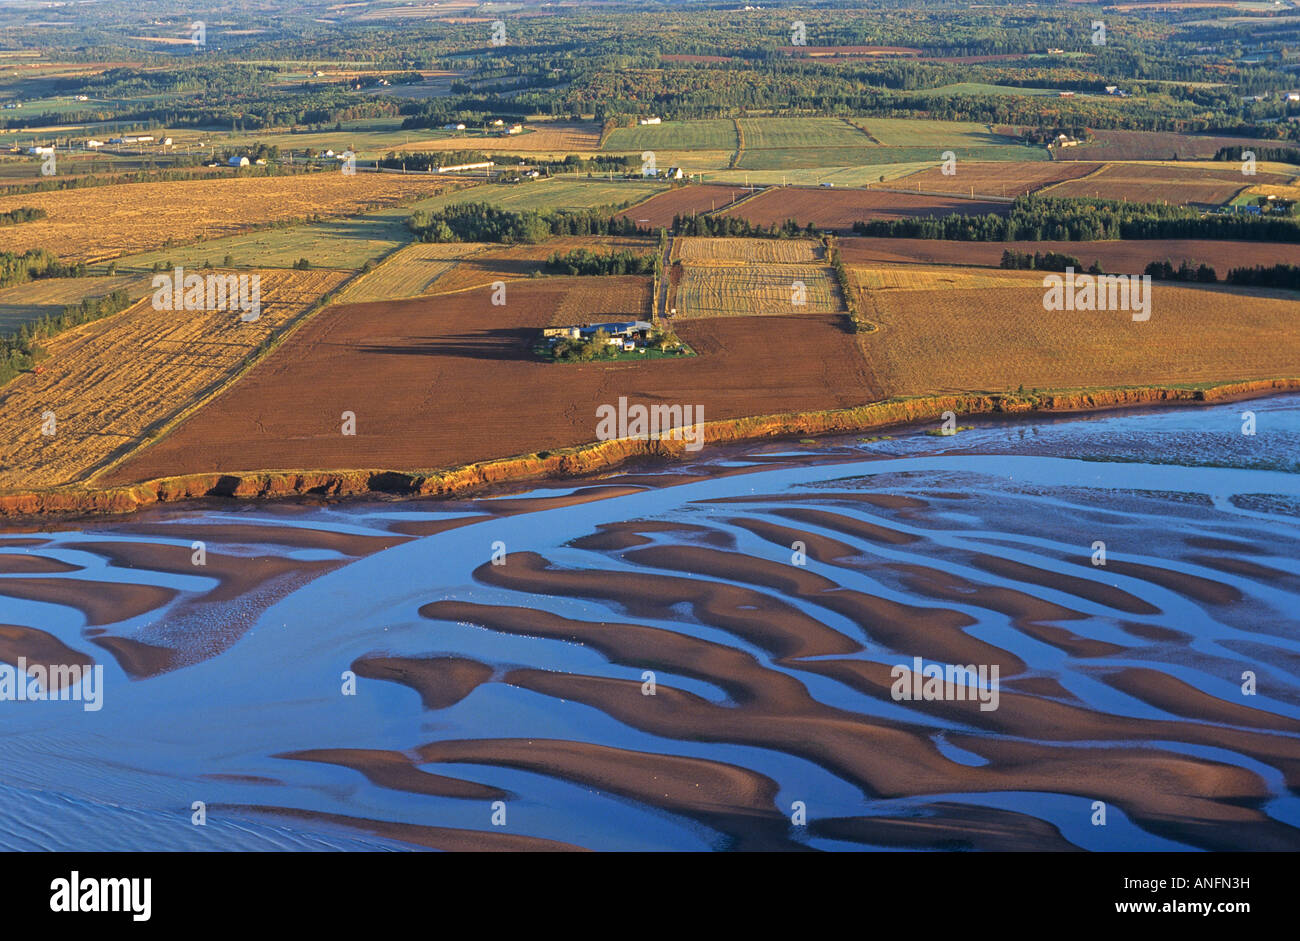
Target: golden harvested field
x=979 y=337
x=746 y=251
x=735 y=291
x=1007 y=178
x=109 y=384
x=602 y=299
x=1161 y=183
x=408 y=272
x=539 y=138
x=481 y=264
x=104 y=222
x=937 y=278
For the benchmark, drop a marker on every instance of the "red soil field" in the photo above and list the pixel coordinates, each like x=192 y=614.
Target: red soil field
x=447 y=380
x=839 y=209
x=1161 y=184
x=1154 y=145
x=659 y=210
x=1116 y=257
x=1004 y=178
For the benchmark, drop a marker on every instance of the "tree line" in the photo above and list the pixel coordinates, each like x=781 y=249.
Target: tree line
x=1047 y=219
x=483 y=222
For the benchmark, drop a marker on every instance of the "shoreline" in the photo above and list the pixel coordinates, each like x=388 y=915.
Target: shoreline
x=72 y=502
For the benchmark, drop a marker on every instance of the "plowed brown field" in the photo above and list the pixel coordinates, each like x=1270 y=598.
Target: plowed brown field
x=449 y=379
x=1153 y=183
x=659 y=210
x=1127 y=257
x=839 y=209
x=1008 y=178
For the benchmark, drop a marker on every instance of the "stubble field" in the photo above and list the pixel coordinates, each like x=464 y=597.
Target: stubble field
x=109 y=384
x=974 y=336
x=105 y=222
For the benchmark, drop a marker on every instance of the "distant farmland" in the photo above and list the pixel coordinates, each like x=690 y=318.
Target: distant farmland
x=107 y=222
x=1152 y=145
x=658 y=211
x=541 y=137
x=994 y=179
x=1116 y=257
x=839 y=208
x=717 y=134
x=1148 y=183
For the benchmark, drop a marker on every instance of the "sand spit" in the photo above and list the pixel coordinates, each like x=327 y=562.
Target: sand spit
x=604 y=455
x=449 y=839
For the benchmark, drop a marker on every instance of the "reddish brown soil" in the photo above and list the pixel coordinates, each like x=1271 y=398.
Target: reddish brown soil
x=839 y=209
x=449 y=380
x=659 y=210
x=1128 y=257
x=1006 y=178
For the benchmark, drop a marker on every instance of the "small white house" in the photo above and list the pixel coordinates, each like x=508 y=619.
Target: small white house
x=651 y=121
x=515 y=129
x=238 y=161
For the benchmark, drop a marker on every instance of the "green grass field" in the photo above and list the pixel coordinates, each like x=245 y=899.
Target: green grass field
x=945 y=135
x=717 y=134
x=787 y=133
x=338 y=243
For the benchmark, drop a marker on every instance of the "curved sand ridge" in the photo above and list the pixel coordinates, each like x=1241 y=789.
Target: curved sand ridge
x=1116 y=684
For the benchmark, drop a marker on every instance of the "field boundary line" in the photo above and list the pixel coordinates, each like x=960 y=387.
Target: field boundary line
x=740 y=145
x=981 y=197
x=220 y=384
x=1078 y=179
x=863 y=131
x=756 y=192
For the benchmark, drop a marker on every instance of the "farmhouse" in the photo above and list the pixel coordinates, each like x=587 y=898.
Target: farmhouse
x=651 y=121
x=625 y=334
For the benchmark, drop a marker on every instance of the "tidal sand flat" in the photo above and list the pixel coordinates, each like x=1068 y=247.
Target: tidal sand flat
x=754 y=650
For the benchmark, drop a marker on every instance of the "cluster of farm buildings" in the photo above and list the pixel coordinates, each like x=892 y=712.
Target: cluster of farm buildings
x=627 y=335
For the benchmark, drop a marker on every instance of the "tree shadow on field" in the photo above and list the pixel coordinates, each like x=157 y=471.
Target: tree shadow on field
x=501 y=344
